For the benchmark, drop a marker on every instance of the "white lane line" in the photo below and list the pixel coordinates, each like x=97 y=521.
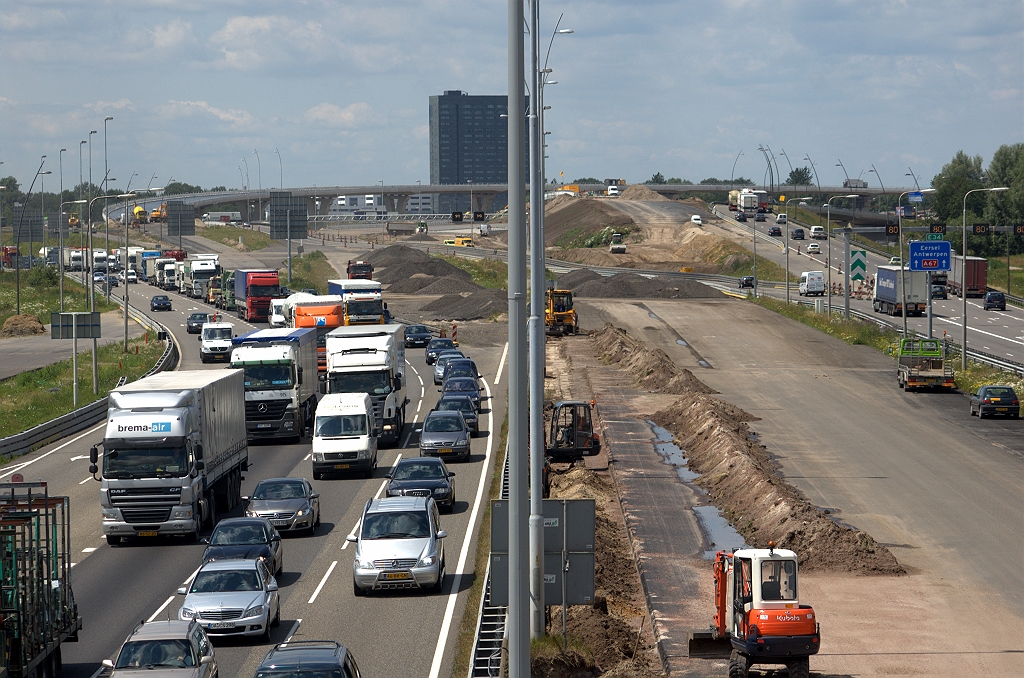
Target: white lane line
x=376 y=496
x=306 y=458
x=419 y=405
x=453 y=595
x=18 y=467
x=89 y=549
x=85 y=481
x=959 y=323
x=295 y=628
x=73 y=564
x=160 y=609
x=322 y=582
x=79 y=456
x=501 y=364
x=100 y=670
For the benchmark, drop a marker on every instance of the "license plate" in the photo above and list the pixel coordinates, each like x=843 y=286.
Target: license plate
x=1002 y=409
x=278 y=522
x=263 y=425
x=396 y=575
x=221 y=625
x=148 y=533
x=340 y=466
x=445 y=450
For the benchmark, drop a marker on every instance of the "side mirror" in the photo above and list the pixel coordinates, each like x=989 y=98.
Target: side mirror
x=388 y=474
x=198 y=451
x=208 y=659
x=441 y=534
x=183 y=591
x=245 y=499
x=315 y=495
x=272 y=586
x=199 y=338
x=276 y=537
x=108 y=663
x=200 y=465
x=204 y=540
x=322 y=388
x=352 y=538
x=93 y=455
x=451 y=474
x=299 y=370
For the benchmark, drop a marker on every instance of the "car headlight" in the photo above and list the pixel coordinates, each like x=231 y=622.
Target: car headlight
x=254 y=611
x=187 y=613
x=364 y=564
x=427 y=561
x=462 y=442
x=251 y=514
x=318 y=456
x=441 y=491
x=301 y=512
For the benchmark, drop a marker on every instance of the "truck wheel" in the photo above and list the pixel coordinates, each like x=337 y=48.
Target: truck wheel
x=799 y=668
x=739 y=665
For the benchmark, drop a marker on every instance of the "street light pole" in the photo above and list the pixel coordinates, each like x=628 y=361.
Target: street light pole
x=733 y=173
x=106 y=189
x=840 y=164
x=963 y=273
x=904 y=262
x=125 y=268
x=17 y=253
x=914 y=177
x=42 y=217
x=259 y=177
x=828 y=234
x=788 y=202
x=281 y=164
x=814 y=168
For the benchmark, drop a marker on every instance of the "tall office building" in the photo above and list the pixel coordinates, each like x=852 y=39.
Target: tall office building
x=468 y=145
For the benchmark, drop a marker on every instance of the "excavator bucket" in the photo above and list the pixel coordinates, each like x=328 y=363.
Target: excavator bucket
x=706 y=644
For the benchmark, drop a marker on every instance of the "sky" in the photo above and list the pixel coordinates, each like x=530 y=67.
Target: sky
x=335 y=92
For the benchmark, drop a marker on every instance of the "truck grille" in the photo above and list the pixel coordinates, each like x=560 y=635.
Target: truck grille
x=146 y=515
x=220 y=615
x=265 y=410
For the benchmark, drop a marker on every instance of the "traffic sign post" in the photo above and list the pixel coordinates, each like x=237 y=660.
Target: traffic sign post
x=858 y=264
x=75 y=326
x=930 y=256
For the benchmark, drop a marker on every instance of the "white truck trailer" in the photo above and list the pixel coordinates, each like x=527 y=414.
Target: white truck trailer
x=173 y=453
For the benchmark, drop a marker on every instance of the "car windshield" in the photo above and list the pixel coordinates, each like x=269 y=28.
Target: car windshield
x=238 y=535
x=300 y=673
x=367 y=307
x=267 y=376
x=417 y=329
x=150 y=654
x=285 y=490
x=455 y=405
x=396 y=525
x=264 y=290
x=995 y=296
x=460 y=385
x=418 y=471
x=440 y=343
x=145 y=462
x=160 y=299
x=442 y=425
x=198 y=317
x=443 y=360
x=217 y=333
x=225 y=581
x=374 y=383
x=338 y=425
x=460 y=372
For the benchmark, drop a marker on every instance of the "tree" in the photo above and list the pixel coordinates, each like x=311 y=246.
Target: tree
x=801 y=176
x=588 y=180
x=960 y=175
x=178 y=187
x=1006 y=169
x=657 y=179
x=679 y=182
x=713 y=181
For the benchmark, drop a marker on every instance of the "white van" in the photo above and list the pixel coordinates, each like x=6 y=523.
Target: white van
x=344 y=435
x=780 y=219
x=215 y=341
x=812 y=283
x=277 y=318
x=612 y=190
x=817 y=232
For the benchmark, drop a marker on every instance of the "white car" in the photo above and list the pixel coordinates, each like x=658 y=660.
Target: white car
x=814 y=248
x=233 y=598
x=130 y=274
x=695 y=219
x=895 y=261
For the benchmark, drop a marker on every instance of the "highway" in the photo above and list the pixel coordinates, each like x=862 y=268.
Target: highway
x=116 y=587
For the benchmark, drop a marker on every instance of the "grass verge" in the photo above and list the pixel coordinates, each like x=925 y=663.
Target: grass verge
x=467 y=627
x=36 y=396
x=485 y=272
x=229 y=235
x=309 y=271
x=40 y=295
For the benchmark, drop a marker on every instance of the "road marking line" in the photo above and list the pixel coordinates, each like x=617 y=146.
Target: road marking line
x=295 y=628
x=306 y=458
x=161 y=609
x=323 y=581
x=22 y=465
x=79 y=456
x=501 y=365
x=85 y=481
x=453 y=595
x=194 y=573
x=89 y=549
x=419 y=405
x=376 y=496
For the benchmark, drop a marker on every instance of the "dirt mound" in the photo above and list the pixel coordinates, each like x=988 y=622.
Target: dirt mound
x=653 y=369
x=396 y=254
x=450 y=284
x=641 y=192
x=633 y=286
x=573 y=279
x=580 y=218
x=481 y=304
x=23 y=325
x=421 y=237
x=412 y=285
x=428 y=265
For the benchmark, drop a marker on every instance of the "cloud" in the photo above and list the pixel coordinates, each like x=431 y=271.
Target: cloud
x=173 y=34
x=353 y=116
x=250 y=42
x=233 y=116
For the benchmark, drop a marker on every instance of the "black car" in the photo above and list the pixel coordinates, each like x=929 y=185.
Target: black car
x=939 y=292
x=246 y=538
x=435 y=346
x=417 y=335
x=461 y=403
x=746 y=281
x=194 y=324
x=995 y=300
x=466 y=386
x=160 y=302
x=995 y=400
x=760 y=217
x=308 y=659
x=776 y=231
x=460 y=367
x=423 y=477
x=796 y=234
x=741 y=216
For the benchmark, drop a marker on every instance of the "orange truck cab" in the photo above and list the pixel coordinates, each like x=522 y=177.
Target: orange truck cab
x=324 y=316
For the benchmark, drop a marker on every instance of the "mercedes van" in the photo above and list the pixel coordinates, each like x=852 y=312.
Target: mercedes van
x=812 y=283
x=344 y=435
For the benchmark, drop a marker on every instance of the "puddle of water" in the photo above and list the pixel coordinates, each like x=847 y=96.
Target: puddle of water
x=720 y=533
x=681 y=342
x=653 y=316
x=671 y=454
x=703 y=363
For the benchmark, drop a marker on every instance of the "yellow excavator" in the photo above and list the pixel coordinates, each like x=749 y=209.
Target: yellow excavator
x=159 y=214
x=559 y=314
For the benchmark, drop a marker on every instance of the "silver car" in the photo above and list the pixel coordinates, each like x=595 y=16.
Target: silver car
x=440 y=363
x=399 y=545
x=233 y=598
x=445 y=434
x=165 y=649
x=288 y=503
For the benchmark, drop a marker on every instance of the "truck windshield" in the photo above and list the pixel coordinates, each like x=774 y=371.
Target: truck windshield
x=145 y=462
x=366 y=307
x=259 y=377
x=339 y=425
x=217 y=333
x=374 y=383
x=264 y=291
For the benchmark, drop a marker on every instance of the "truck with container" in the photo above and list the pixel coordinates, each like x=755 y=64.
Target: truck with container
x=971 y=280
x=174 y=452
x=888 y=296
x=177 y=255
x=226 y=299
x=165 y=277
x=99 y=261
x=359 y=270
x=746 y=201
x=362 y=301
x=323 y=313
x=281 y=380
x=734 y=200
x=254 y=288
x=38 y=604
x=198 y=273
x=154 y=269
x=371 y=359
x=923 y=364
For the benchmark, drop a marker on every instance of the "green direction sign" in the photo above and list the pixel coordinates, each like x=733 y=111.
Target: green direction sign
x=858 y=264
x=933 y=236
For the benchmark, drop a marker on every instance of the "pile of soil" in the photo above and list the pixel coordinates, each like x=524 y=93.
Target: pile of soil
x=395 y=254
x=450 y=284
x=421 y=237
x=23 y=325
x=653 y=369
x=573 y=279
x=400 y=262
x=580 y=217
x=484 y=303
x=412 y=285
x=641 y=192
x=633 y=286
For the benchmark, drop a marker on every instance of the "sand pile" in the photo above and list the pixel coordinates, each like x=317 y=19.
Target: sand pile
x=641 y=192
x=450 y=284
x=653 y=369
x=633 y=286
x=579 y=218
x=421 y=237
x=23 y=325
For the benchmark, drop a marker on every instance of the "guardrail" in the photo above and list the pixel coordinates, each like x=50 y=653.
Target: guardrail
x=87 y=415
x=490 y=626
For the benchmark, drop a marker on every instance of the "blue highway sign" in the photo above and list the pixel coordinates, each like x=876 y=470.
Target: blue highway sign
x=930 y=256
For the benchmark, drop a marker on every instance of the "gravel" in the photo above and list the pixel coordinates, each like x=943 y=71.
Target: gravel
x=481 y=304
x=573 y=279
x=450 y=285
x=421 y=237
x=411 y=285
x=633 y=286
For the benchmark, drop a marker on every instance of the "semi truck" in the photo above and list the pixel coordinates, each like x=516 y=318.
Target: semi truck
x=746 y=201
x=174 y=451
x=362 y=301
x=73 y=258
x=972 y=281
x=165 y=278
x=254 y=288
x=734 y=200
x=324 y=313
x=923 y=364
x=280 y=380
x=154 y=269
x=197 y=274
x=359 y=270
x=371 y=359
x=888 y=297
x=38 y=605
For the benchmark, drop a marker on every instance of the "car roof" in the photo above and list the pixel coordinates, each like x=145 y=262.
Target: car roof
x=308 y=653
x=280 y=480
x=230 y=564
x=442 y=413
x=440 y=340
x=389 y=504
x=461 y=380
x=455 y=395
x=417 y=328
x=436 y=461
x=241 y=521
x=162 y=630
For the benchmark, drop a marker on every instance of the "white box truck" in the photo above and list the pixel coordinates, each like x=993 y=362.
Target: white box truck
x=344 y=435
x=154 y=268
x=812 y=283
x=174 y=452
x=281 y=379
x=371 y=359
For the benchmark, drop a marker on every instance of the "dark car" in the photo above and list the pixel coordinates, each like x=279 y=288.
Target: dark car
x=112 y=281
x=444 y=434
x=194 y=324
x=995 y=300
x=417 y=335
x=466 y=386
x=760 y=217
x=995 y=400
x=160 y=302
x=246 y=538
x=796 y=234
x=775 y=230
x=746 y=281
x=435 y=346
x=939 y=292
x=288 y=503
x=461 y=403
x=423 y=477
x=741 y=216
x=308 y=659
x=460 y=367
